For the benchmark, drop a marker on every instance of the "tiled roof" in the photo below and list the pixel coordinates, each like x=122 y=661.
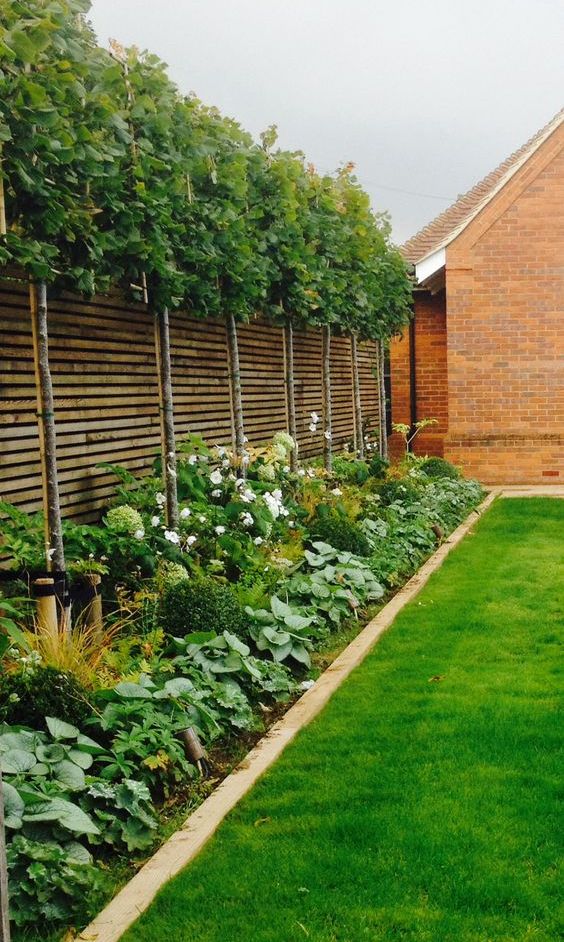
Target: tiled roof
x=453 y=220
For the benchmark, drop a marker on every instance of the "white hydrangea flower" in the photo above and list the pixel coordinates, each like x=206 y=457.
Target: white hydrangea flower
x=286 y=468
x=215 y=477
x=193 y=459
x=202 y=519
x=247 y=496
x=190 y=540
x=155 y=521
x=258 y=540
x=139 y=534
x=216 y=492
x=219 y=530
x=337 y=491
x=160 y=499
x=239 y=482
x=171 y=536
x=184 y=513
x=246 y=519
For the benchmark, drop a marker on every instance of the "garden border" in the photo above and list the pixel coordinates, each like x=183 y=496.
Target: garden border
x=180 y=849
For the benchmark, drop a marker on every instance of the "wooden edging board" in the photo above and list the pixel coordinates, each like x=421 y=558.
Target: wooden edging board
x=185 y=844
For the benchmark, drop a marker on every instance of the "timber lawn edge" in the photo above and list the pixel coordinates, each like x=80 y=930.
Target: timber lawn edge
x=184 y=845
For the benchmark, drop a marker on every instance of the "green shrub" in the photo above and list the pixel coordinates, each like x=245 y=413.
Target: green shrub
x=27 y=698
x=342 y=533
x=377 y=466
x=351 y=470
x=439 y=468
x=399 y=489
x=201 y=605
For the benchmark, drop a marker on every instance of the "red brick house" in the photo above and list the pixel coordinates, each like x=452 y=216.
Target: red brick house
x=485 y=351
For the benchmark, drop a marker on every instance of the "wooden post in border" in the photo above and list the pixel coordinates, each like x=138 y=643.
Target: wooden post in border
x=288 y=333
x=4 y=902
x=164 y=372
x=382 y=400
x=54 y=549
x=327 y=414
x=3 y=227
x=235 y=387
x=357 y=402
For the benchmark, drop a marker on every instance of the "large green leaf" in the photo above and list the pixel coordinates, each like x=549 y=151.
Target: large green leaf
x=59 y=729
x=16 y=761
x=14 y=806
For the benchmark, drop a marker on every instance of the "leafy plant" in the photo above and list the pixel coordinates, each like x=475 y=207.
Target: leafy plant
x=439 y=468
x=283 y=631
x=202 y=604
x=341 y=532
x=27 y=697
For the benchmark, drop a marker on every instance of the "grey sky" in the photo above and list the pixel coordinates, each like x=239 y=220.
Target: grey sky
x=425 y=96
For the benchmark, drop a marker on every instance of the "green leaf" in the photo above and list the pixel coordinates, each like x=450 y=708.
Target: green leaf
x=69 y=775
x=14 y=806
x=59 y=729
x=16 y=761
x=64 y=812
x=279 y=608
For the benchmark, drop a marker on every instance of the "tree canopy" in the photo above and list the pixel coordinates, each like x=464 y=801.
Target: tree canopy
x=111 y=175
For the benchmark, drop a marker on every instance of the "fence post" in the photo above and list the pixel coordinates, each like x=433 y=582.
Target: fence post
x=357 y=403
x=164 y=372
x=288 y=331
x=235 y=387
x=327 y=417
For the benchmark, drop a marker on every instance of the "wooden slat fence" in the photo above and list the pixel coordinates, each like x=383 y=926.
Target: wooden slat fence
x=103 y=364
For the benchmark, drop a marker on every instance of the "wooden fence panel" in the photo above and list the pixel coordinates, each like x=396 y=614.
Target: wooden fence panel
x=103 y=364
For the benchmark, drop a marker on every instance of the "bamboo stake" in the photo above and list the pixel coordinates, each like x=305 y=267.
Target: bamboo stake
x=4 y=906
x=54 y=549
x=357 y=403
x=326 y=376
x=290 y=389
x=235 y=386
x=162 y=344
x=382 y=400
x=3 y=228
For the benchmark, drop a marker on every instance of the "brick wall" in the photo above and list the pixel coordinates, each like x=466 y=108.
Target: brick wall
x=503 y=359
x=505 y=289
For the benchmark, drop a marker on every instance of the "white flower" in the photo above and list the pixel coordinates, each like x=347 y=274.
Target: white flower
x=337 y=491
x=216 y=492
x=291 y=523
x=215 y=476
x=193 y=459
x=139 y=534
x=246 y=519
x=301 y=472
x=307 y=684
x=312 y=427
x=219 y=530
x=310 y=473
x=286 y=468
x=184 y=513
x=327 y=435
x=155 y=521
x=314 y=417
x=248 y=496
x=239 y=482
x=190 y=540
x=225 y=463
x=284 y=512
x=221 y=450
x=277 y=494
x=171 y=536
x=160 y=499
x=231 y=476
x=258 y=540
x=201 y=517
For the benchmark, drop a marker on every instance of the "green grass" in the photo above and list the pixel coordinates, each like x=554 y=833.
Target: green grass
x=413 y=808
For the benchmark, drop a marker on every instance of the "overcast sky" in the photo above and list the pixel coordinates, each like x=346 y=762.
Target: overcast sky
x=425 y=96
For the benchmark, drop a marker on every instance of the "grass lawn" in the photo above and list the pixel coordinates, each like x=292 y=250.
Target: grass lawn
x=422 y=804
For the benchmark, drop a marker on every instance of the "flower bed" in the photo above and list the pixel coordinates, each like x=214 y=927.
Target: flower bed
x=213 y=626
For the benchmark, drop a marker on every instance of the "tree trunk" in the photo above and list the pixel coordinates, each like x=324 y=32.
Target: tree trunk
x=357 y=404
x=4 y=911
x=46 y=421
x=162 y=344
x=235 y=384
x=327 y=425
x=2 y=200
x=382 y=399
x=291 y=390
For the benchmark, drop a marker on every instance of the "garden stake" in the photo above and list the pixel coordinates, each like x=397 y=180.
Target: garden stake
x=4 y=908
x=46 y=606
x=235 y=387
x=288 y=331
x=93 y=613
x=162 y=345
x=3 y=229
x=357 y=404
x=327 y=430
